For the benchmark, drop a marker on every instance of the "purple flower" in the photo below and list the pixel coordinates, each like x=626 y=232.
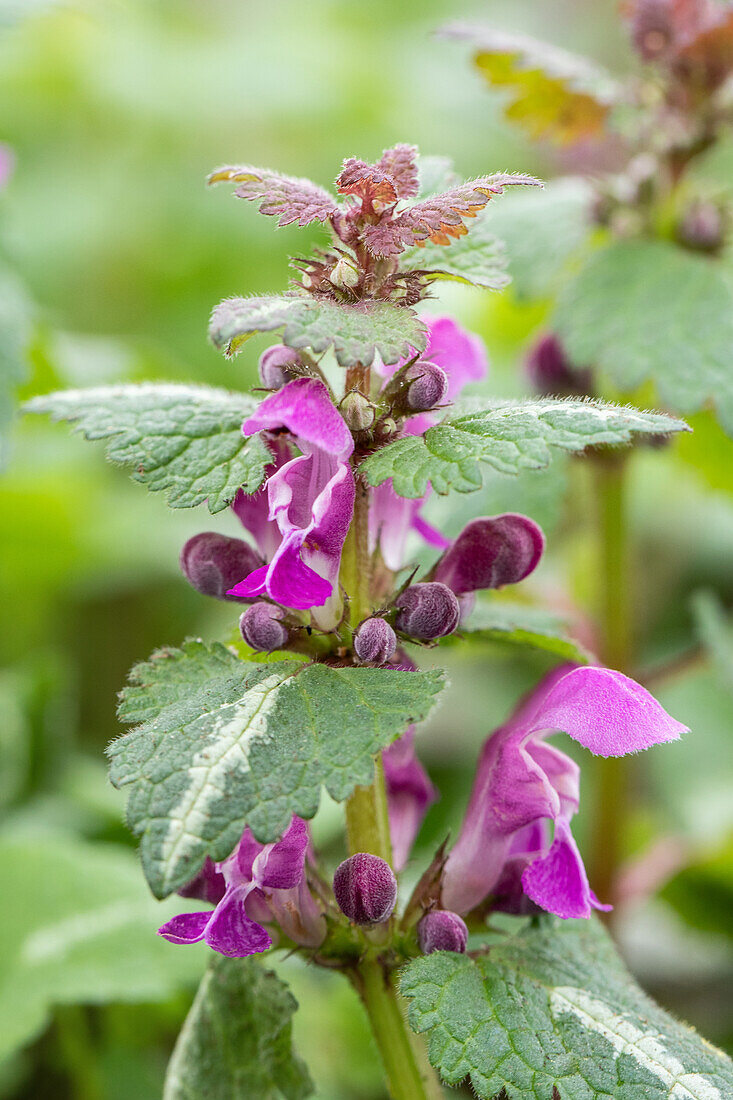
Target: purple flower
x=259 y=880
x=410 y=794
x=310 y=498
x=490 y=552
x=523 y=783
x=462 y=357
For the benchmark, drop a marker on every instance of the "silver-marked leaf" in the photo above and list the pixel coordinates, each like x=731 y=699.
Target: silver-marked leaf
x=552 y=1011
x=648 y=309
x=288 y=198
x=517 y=624
x=236 y=1043
x=78 y=928
x=479 y=259
x=439 y=218
x=184 y=440
x=225 y=742
x=357 y=332
x=510 y=436
x=554 y=94
x=542 y=231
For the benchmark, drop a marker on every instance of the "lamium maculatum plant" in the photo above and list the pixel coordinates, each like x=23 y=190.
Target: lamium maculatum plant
x=327 y=472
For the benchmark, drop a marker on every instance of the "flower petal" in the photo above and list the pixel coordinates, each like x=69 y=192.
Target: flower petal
x=305 y=408
x=280 y=866
x=186 y=928
x=558 y=881
x=231 y=932
x=605 y=711
x=409 y=795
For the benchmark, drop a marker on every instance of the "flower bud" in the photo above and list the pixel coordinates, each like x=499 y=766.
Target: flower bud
x=344 y=274
x=276 y=365
x=262 y=628
x=427 y=611
x=441 y=930
x=550 y=371
x=365 y=888
x=491 y=551
x=426 y=386
x=702 y=227
x=375 y=641
x=214 y=563
x=358 y=411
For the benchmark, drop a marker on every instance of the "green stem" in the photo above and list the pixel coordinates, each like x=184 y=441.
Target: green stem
x=407 y=1079
x=615 y=602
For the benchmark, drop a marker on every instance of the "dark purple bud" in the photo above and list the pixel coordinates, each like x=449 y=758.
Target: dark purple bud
x=427 y=611
x=207 y=885
x=441 y=930
x=491 y=551
x=214 y=563
x=653 y=29
x=426 y=386
x=365 y=888
x=375 y=641
x=262 y=627
x=276 y=365
x=550 y=371
x=702 y=227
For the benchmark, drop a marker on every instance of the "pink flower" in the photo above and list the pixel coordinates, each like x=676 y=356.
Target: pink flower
x=523 y=783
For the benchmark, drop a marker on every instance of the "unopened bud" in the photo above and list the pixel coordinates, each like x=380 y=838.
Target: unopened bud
x=386 y=427
x=358 y=411
x=427 y=611
x=441 y=930
x=276 y=365
x=262 y=628
x=701 y=227
x=344 y=274
x=214 y=563
x=550 y=371
x=375 y=641
x=653 y=29
x=491 y=551
x=426 y=386
x=365 y=888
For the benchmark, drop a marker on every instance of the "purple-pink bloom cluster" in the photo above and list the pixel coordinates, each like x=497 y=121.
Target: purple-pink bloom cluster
x=523 y=785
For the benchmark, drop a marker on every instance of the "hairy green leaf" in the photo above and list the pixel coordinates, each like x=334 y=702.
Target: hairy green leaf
x=357 y=332
x=479 y=259
x=648 y=309
x=236 y=1043
x=224 y=742
x=542 y=230
x=553 y=1008
x=510 y=436
x=184 y=440
x=518 y=624
x=78 y=928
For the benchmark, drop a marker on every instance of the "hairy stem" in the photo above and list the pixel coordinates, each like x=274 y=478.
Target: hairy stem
x=408 y=1078
x=615 y=601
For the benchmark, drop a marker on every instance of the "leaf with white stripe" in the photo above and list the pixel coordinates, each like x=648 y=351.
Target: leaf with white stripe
x=223 y=743
x=184 y=440
x=237 y=1041
x=510 y=436
x=552 y=1011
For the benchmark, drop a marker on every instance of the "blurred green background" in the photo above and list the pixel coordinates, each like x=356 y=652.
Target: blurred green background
x=115 y=253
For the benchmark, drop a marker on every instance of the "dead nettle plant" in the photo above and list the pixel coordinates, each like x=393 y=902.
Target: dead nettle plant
x=231 y=744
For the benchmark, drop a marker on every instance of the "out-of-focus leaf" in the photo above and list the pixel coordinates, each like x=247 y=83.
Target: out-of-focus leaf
x=715 y=633
x=357 y=332
x=14 y=336
x=643 y=310
x=236 y=1043
x=702 y=893
x=78 y=928
x=555 y=94
x=14 y=738
x=552 y=1011
x=510 y=436
x=479 y=259
x=223 y=743
x=541 y=231
x=288 y=198
x=516 y=624
x=185 y=440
